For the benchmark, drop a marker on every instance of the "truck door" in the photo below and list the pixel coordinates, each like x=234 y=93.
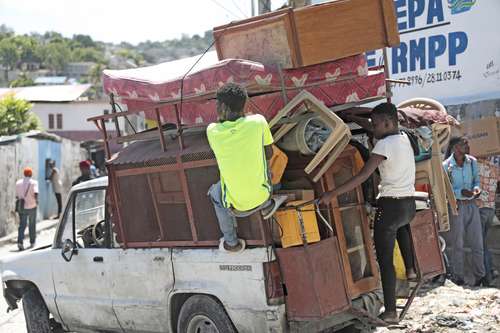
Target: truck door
x=83 y=284
x=142 y=280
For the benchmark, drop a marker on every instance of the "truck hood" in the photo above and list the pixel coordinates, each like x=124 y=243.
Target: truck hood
x=29 y=265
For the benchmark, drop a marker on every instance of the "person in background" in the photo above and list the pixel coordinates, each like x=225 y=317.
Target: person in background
x=85 y=173
x=393 y=155
x=55 y=179
x=27 y=192
x=489 y=174
x=94 y=172
x=463 y=171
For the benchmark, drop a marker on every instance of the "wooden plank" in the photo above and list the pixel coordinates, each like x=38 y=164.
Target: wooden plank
x=155 y=204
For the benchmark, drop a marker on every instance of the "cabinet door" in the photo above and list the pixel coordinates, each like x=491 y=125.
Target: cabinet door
x=352 y=227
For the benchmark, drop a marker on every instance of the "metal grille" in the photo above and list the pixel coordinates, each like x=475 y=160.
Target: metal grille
x=137 y=210
x=145 y=164
x=198 y=156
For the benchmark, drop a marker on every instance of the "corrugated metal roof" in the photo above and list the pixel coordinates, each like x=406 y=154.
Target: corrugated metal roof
x=31 y=134
x=146 y=153
x=51 y=80
x=51 y=93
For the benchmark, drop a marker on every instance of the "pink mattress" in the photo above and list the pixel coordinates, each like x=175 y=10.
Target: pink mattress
x=336 y=82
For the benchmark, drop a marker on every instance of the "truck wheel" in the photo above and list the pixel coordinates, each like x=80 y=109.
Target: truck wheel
x=35 y=312
x=202 y=314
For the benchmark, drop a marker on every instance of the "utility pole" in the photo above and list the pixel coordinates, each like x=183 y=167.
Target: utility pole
x=253 y=7
x=298 y=3
x=264 y=6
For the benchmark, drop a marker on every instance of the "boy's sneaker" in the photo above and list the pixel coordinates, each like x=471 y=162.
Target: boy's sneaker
x=238 y=248
x=20 y=246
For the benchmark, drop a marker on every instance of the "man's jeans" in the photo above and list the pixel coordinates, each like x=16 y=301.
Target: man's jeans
x=487 y=215
x=227 y=222
x=27 y=214
x=466 y=227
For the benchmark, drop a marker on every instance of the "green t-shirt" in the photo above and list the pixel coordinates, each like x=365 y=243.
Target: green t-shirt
x=239 y=150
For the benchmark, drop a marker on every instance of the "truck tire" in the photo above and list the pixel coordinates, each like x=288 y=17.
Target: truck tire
x=35 y=312
x=201 y=314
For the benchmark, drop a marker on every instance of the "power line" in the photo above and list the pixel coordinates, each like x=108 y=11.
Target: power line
x=227 y=10
x=239 y=8
x=265 y=5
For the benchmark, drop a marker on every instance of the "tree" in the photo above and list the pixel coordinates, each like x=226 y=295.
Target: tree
x=95 y=78
x=5 y=31
x=137 y=58
x=87 y=54
x=28 y=47
x=55 y=55
x=16 y=116
x=84 y=40
x=9 y=55
x=22 y=81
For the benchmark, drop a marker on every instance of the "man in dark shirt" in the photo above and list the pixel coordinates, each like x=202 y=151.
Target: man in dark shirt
x=85 y=170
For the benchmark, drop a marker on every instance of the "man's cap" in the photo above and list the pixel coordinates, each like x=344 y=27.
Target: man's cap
x=28 y=172
x=84 y=164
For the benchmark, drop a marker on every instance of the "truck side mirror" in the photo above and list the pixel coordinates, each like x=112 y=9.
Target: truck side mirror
x=68 y=250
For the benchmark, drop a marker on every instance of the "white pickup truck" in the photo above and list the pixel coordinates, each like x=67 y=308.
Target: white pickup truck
x=84 y=282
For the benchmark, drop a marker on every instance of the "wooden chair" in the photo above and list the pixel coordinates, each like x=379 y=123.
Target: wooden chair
x=335 y=143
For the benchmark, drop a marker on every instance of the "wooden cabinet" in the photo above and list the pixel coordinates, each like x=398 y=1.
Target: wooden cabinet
x=310 y=35
x=352 y=226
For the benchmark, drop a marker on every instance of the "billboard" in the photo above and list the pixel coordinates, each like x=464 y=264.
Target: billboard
x=450 y=50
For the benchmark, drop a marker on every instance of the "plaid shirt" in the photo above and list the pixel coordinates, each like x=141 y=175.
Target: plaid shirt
x=489 y=175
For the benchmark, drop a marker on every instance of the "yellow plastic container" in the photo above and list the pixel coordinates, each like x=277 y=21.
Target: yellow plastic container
x=278 y=163
x=399 y=264
x=290 y=231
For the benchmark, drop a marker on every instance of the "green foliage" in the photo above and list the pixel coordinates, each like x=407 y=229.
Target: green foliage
x=87 y=54
x=22 y=81
x=55 y=55
x=53 y=51
x=130 y=54
x=9 y=52
x=16 y=116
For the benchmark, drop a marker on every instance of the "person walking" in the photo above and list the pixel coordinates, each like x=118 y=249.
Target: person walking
x=394 y=156
x=55 y=179
x=26 y=207
x=489 y=175
x=462 y=169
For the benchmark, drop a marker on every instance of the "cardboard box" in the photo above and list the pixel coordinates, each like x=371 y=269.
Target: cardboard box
x=483 y=135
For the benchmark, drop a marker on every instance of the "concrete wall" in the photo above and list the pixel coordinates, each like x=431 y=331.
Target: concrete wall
x=74 y=114
x=26 y=151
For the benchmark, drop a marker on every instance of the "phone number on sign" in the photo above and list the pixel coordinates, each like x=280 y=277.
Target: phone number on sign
x=431 y=78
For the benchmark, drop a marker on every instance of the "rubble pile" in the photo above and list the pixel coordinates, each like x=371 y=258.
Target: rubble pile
x=451 y=308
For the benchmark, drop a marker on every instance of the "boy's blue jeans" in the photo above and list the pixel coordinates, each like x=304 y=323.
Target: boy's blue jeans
x=227 y=222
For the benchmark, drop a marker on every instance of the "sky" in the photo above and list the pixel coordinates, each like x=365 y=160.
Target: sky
x=132 y=21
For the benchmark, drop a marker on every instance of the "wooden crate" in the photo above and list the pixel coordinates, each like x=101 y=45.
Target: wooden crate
x=310 y=35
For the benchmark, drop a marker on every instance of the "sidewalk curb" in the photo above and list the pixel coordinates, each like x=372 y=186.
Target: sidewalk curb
x=42 y=225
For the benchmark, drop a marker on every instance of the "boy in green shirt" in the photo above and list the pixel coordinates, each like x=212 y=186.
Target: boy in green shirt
x=242 y=147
